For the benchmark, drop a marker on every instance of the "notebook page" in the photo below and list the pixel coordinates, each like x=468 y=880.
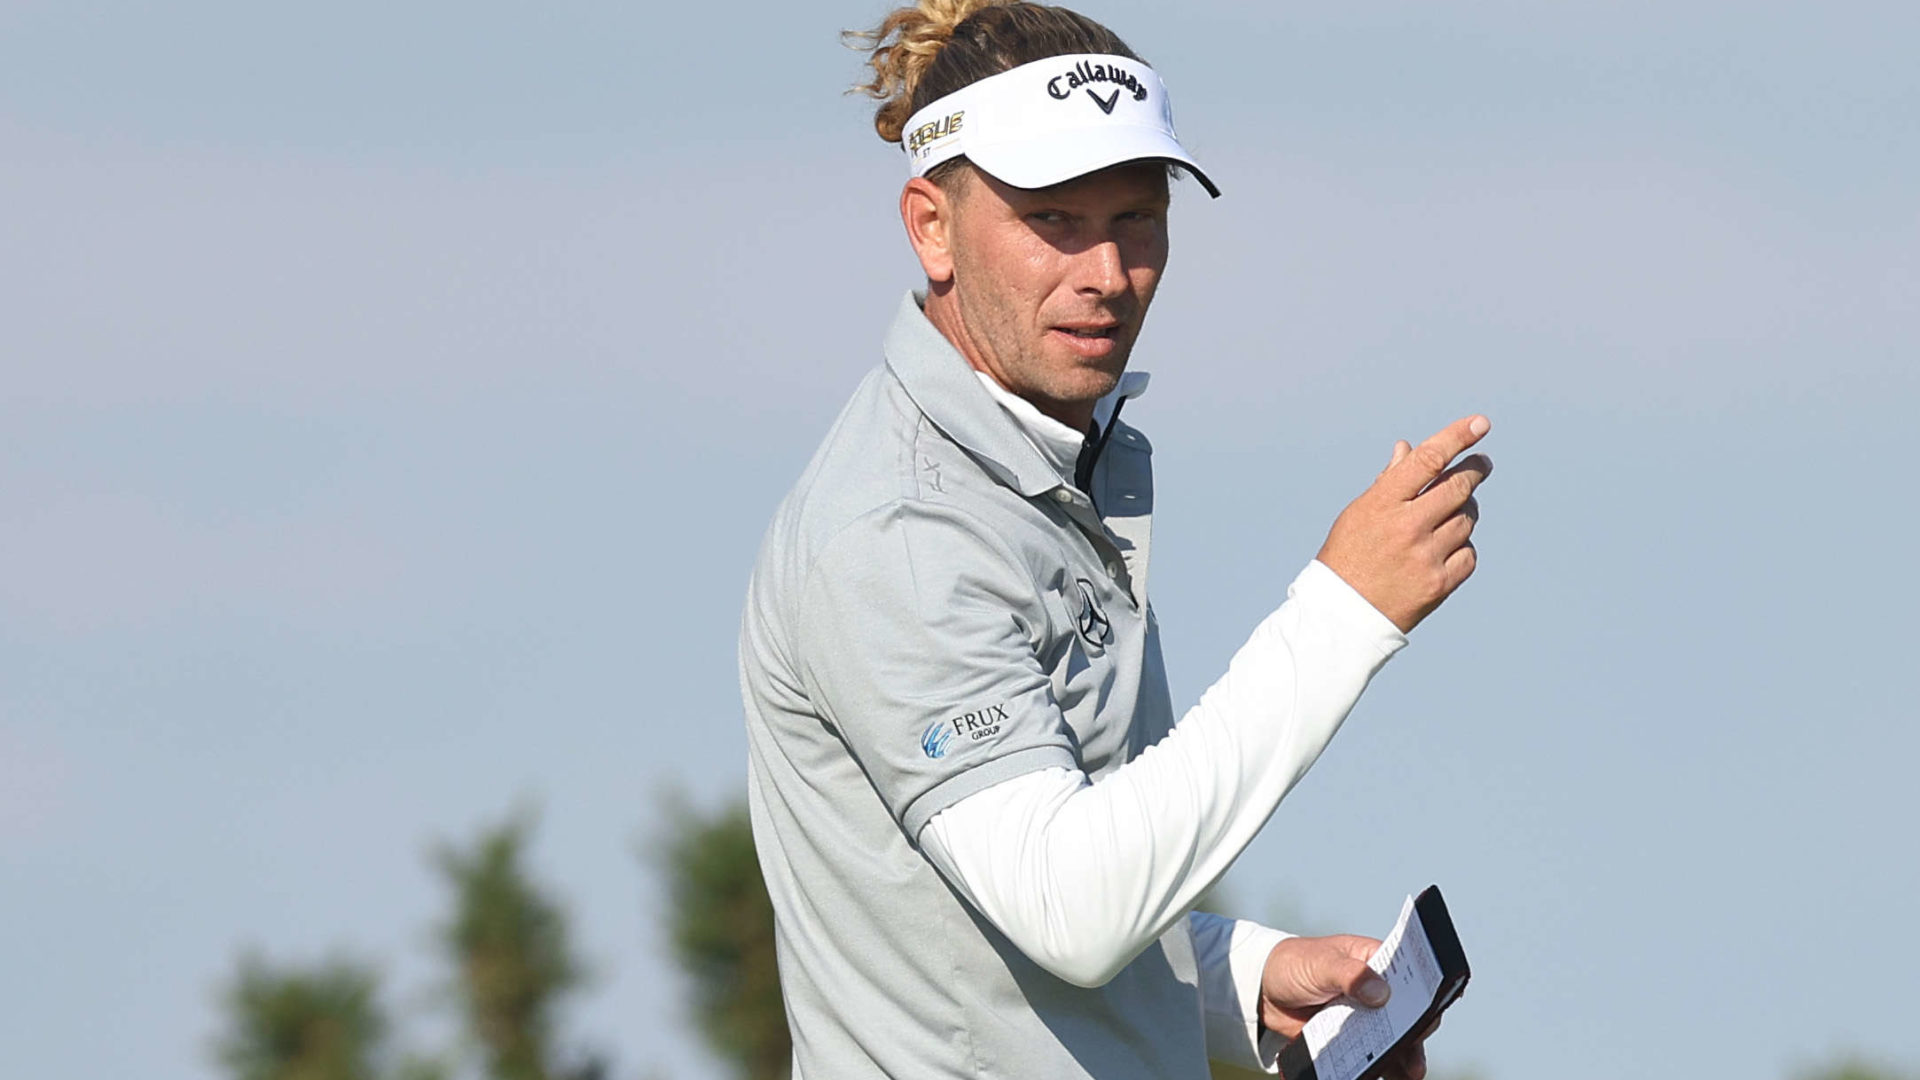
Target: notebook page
x=1346 y=1039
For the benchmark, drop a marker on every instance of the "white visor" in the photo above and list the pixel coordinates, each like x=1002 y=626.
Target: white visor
x=1052 y=120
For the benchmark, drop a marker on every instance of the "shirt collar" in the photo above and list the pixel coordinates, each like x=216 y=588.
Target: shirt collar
x=1032 y=452
x=1058 y=443
x=1055 y=441
x=941 y=383
x=1132 y=384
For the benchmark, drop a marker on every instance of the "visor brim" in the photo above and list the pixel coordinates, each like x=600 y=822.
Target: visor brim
x=1036 y=164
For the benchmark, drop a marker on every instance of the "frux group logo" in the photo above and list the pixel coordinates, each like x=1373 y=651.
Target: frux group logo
x=977 y=725
x=936 y=739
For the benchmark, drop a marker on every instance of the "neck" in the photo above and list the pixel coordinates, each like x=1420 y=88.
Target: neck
x=943 y=311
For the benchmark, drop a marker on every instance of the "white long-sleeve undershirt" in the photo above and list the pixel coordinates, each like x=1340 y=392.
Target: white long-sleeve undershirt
x=1082 y=876
x=1025 y=858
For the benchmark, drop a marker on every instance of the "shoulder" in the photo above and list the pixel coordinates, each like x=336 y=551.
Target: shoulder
x=913 y=583
x=923 y=550
x=887 y=489
x=886 y=475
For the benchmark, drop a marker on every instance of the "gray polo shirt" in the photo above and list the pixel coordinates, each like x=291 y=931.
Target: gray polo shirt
x=936 y=609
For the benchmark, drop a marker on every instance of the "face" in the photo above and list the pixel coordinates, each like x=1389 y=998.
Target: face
x=1046 y=289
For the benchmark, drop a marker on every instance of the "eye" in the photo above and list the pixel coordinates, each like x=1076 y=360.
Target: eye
x=1048 y=217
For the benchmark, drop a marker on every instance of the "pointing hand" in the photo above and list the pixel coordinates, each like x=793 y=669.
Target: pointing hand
x=1405 y=543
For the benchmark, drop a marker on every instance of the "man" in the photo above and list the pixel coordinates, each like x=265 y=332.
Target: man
x=980 y=826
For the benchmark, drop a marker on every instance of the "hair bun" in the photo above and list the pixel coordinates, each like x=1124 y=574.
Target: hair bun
x=903 y=47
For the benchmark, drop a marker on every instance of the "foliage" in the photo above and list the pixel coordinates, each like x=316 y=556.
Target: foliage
x=720 y=925
x=508 y=945
x=1853 y=1069
x=293 y=1023
x=1216 y=900
x=513 y=966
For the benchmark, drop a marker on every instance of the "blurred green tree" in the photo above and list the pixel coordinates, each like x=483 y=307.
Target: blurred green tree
x=514 y=965
x=285 y=1022
x=720 y=927
x=507 y=942
x=1853 y=1069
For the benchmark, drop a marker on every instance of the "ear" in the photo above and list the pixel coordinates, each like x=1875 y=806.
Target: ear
x=927 y=210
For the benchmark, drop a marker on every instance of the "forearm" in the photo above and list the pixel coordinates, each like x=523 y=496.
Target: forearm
x=1082 y=876
x=1232 y=957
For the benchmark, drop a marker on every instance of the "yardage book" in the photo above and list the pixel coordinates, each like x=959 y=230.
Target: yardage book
x=1423 y=963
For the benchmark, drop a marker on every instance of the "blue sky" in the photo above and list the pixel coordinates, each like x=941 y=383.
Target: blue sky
x=395 y=395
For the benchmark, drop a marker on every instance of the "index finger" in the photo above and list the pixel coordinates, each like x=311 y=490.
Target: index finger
x=1413 y=473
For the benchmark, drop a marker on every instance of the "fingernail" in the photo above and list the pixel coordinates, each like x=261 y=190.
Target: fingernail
x=1373 y=993
x=1479 y=425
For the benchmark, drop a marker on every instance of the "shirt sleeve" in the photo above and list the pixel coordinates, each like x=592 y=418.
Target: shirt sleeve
x=1232 y=957
x=919 y=633
x=1082 y=876
x=1231 y=954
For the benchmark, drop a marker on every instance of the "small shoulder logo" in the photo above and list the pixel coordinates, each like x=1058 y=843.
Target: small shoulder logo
x=1094 y=626
x=983 y=723
x=936 y=738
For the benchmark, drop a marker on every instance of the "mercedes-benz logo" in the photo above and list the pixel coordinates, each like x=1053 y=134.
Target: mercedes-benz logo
x=1093 y=622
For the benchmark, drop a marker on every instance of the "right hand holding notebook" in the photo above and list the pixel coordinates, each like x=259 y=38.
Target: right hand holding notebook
x=1303 y=974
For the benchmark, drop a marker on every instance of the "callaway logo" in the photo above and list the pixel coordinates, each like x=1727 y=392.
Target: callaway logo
x=1062 y=86
x=978 y=725
x=1093 y=622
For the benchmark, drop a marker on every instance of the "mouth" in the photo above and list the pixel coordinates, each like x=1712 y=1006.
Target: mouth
x=1092 y=339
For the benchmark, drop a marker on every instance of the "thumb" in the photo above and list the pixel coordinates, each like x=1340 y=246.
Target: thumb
x=1304 y=974
x=1345 y=976
x=1320 y=970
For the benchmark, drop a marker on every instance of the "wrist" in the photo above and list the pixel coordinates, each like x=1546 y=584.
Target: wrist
x=1336 y=598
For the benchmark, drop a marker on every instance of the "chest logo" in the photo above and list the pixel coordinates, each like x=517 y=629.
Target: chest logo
x=1094 y=626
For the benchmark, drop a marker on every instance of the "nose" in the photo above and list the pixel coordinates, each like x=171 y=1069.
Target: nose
x=1102 y=272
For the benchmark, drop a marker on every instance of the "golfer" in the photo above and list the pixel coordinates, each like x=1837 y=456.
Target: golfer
x=980 y=822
